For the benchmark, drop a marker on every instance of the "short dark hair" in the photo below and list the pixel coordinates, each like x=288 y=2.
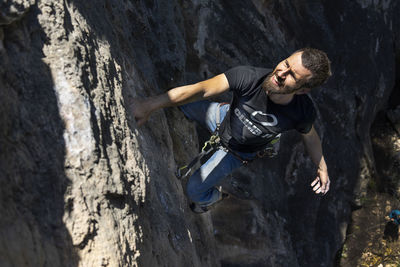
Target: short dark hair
x=318 y=63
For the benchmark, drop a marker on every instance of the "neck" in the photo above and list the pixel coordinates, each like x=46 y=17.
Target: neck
x=281 y=99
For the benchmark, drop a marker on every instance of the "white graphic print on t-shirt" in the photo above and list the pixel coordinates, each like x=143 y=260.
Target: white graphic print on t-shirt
x=253 y=128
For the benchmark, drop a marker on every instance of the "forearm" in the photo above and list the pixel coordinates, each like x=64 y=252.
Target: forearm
x=314 y=149
x=143 y=108
x=174 y=97
x=315 y=152
x=182 y=95
x=189 y=93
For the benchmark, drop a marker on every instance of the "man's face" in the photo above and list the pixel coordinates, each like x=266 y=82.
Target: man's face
x=288 y=77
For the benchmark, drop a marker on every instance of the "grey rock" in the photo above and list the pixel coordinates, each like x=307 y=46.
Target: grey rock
x=13 y=10
x=82 y=185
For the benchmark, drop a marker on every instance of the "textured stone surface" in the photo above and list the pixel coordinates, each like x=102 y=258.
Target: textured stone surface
x=366 y=244
x=81 y=185
x=13 y=10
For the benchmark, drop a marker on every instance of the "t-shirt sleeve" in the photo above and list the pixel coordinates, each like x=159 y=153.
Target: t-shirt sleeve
x=240 y=79
x=309 y=112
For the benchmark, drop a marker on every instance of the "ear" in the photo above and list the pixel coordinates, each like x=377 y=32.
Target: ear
x=302 y=91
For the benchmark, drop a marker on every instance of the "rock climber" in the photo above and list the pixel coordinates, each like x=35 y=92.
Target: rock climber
x=391 y=232
x=395 y=216
x=265 y=104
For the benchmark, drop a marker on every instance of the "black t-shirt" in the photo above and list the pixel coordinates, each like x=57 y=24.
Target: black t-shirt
x=253 y=119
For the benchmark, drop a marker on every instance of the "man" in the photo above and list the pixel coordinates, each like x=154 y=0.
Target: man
x=391 y=232
x=265 y=103
x=394 y=216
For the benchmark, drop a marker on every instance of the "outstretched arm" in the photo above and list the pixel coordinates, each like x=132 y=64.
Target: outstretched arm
x=143 y=108
x=314 y=149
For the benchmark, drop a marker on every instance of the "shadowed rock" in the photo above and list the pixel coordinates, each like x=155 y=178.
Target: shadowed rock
x=82 y=185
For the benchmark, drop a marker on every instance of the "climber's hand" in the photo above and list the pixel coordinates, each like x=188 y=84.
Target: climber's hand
x=321 y=184
x=141 y=110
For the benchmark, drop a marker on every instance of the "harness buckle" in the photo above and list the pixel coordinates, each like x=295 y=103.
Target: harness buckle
x=271 y=150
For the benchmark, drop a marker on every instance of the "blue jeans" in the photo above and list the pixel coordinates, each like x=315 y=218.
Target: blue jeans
x=201 y=185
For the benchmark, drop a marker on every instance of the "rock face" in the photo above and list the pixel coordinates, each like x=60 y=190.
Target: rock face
x=82 y=185
x=371 y=239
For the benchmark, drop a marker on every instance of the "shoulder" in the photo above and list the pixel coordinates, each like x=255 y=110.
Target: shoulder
x=305 y=113
x=306 y=102
x=248 y=70
x=244 y=77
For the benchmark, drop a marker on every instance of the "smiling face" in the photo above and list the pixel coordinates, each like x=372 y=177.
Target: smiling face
x=288 y=77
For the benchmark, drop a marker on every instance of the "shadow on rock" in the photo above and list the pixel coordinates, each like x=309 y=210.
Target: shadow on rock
x=32 y=149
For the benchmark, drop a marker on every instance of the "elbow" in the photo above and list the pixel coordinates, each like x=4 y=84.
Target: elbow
x=201 y=91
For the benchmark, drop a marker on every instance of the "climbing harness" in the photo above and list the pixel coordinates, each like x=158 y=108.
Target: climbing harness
x=271 y=150
x=214 y=143
x=209 y=146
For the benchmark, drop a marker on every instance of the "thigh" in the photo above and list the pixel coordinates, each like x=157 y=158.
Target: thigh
x=214 y=170
x=205 y=113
